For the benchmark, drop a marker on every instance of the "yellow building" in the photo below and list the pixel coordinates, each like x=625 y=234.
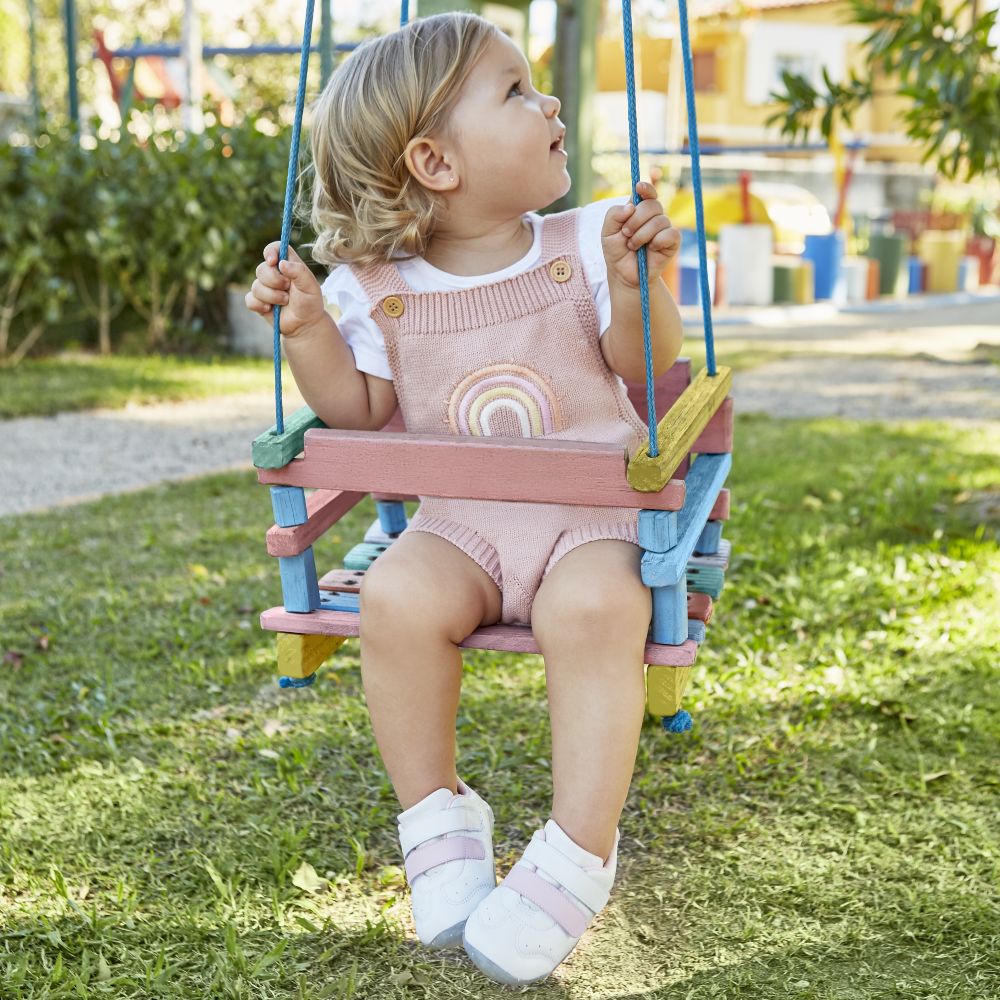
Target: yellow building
x=739 y=52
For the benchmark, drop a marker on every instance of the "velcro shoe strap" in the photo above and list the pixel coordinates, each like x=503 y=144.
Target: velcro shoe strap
x=456 y=820
x=439 y=852
x=569 y=875
x=548 y=898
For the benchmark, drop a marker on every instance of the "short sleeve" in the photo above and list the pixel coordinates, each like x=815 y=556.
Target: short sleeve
x=347 y=303
x=589 y=226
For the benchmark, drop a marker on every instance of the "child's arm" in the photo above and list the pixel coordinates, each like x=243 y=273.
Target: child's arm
x=320 y=359
x=626 y=228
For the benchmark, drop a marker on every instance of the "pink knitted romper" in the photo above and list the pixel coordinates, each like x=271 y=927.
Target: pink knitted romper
x=516 y=358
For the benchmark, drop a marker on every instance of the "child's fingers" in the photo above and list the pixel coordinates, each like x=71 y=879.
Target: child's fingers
x=298 y=274
x=644 y=212
x=646 y=233
x=255 y=305
x=271 y=276
x=614 y=219
x=268 y=294
x=273 y=250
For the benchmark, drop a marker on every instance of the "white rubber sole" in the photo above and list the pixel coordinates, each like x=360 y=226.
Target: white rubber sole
x=493 y=971
x=451 y=937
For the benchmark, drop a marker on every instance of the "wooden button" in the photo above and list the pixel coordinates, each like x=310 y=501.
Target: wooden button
x=393 y=306
x=560 y=271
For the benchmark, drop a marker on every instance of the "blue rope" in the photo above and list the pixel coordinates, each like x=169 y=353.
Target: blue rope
x=297 y=682
x=633 y=152
x=706 y=302
x=286 y=218
x=679 y=722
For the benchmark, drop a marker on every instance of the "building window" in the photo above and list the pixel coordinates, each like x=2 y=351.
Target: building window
x=797 y=63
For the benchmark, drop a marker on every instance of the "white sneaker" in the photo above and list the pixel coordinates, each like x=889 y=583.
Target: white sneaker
x=447 y=843
x=530 y=922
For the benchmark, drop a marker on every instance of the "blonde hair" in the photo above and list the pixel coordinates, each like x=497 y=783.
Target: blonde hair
x=366 y=206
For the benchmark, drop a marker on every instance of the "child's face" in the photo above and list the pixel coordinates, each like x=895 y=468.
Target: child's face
x=507 y=138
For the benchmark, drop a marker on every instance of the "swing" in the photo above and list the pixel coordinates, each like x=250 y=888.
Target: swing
x=676 y=480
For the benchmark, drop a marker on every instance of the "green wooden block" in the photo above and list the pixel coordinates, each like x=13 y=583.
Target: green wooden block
x=274 y=451
x=363 y=555
x=705 y=580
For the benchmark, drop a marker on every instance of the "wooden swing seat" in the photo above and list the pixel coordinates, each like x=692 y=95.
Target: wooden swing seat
x=345 y=466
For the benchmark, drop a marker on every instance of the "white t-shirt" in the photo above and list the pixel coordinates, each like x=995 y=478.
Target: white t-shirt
x=342 y=291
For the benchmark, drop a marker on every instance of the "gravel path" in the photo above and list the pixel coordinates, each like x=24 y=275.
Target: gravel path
x=870 y=389
x=53 y=461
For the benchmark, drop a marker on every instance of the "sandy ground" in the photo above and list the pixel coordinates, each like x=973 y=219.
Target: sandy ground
x=903 y=364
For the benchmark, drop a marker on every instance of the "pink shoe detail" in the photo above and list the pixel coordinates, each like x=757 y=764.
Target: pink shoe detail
x=548 y=898
x=440 y=852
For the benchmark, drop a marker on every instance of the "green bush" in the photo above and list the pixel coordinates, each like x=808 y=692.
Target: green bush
x=133 y=241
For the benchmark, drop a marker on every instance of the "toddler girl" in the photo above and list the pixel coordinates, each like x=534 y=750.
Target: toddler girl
x=433 y=154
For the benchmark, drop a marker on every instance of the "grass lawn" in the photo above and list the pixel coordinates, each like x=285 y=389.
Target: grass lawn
x=43 y=386
x=828 y=829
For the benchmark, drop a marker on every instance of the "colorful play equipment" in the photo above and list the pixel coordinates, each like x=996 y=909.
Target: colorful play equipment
x=155 y=73
x=682 y=501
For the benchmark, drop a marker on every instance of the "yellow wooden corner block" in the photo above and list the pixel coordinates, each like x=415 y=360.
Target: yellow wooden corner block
x=664 y=688
x=679 y=429
x=302 y=655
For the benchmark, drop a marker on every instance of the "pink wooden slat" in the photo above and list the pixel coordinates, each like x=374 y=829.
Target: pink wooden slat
x=720 y=512
x=666 y=389
x=505 y=638
x=682 y=470
x=518 y=469
x=323 y=508
x=700 y=608
x=717 y=437
x=344 y=581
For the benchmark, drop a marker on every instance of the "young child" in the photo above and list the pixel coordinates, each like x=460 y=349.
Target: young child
x=433 y=153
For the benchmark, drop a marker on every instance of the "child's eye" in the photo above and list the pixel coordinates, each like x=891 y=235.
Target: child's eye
x=515 y=88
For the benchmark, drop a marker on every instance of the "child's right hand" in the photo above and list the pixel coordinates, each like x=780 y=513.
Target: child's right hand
x=293 y=287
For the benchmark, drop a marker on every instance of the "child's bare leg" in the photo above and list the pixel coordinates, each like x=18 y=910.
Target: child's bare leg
x=590 y=618
x=420 y=598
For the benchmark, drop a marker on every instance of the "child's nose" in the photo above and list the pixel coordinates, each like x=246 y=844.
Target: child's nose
x=552 y=106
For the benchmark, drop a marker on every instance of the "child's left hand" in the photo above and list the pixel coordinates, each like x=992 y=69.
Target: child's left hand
x=628 y=227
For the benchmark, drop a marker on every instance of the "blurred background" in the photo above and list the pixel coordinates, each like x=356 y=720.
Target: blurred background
x=850 y=150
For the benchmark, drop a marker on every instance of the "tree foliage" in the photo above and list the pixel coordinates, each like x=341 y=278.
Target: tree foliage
x=152 y=229
x=941 y=59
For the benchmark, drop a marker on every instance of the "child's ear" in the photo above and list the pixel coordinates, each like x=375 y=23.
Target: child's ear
x=429 y=164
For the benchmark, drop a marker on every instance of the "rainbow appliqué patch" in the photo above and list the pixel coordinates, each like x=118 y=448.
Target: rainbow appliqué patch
x=504 y=401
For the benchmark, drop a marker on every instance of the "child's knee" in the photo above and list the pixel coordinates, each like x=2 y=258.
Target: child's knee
x=408 y=591
x=597 y=605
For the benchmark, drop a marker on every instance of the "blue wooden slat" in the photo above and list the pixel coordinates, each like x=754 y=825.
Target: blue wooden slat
x=670 y=618
x=299 y=586
x=696 y=630
x=706 y=478
x=657 y=530
x=708 y=541
x=289 y=505
x=341 y=602
x=392 y=516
